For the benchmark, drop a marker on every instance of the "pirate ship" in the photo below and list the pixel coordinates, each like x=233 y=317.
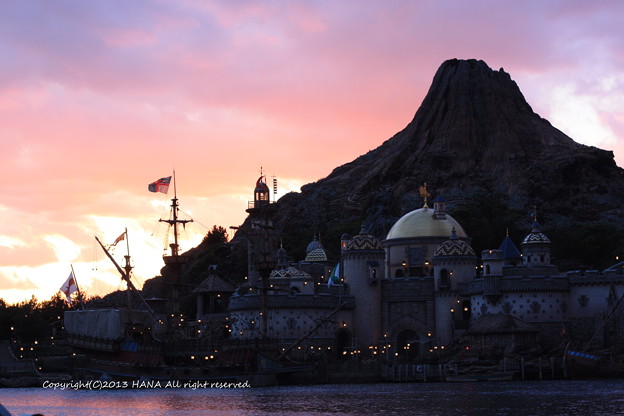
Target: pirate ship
x=139 y=341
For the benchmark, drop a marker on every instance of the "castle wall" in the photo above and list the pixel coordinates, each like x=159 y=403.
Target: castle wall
x=290 y=317
x=589 y=293
x=526 y=306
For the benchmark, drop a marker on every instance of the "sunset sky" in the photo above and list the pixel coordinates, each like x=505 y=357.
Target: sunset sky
x=100 y=98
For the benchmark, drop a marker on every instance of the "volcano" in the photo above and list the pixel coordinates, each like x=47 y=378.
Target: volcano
x=478 y=143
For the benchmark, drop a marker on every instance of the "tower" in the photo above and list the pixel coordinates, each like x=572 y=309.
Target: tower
x=454 y=263
x=536 y=247
x=363 y=262
x=261 y=192
x=511 y=253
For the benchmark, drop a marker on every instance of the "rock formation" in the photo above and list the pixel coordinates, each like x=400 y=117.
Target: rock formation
x=475 y=140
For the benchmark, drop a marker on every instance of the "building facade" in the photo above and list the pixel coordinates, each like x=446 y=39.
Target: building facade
x=421 y=289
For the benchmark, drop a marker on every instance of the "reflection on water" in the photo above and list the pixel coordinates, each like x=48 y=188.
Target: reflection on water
x=552 y=398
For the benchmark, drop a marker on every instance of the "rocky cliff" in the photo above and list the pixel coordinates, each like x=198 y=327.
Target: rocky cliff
x=476 y=141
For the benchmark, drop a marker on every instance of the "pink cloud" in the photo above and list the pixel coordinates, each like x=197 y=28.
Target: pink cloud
x=97 y=99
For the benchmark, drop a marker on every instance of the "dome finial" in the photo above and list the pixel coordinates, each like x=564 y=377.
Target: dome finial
x=424 y=194
x=535 y=225
x=453 y=234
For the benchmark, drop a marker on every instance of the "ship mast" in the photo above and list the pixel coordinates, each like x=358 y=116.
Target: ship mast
x=174 y=261
x=125 y=275
x=174 y=221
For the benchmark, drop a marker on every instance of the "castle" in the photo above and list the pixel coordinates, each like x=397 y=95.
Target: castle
x=419 y=290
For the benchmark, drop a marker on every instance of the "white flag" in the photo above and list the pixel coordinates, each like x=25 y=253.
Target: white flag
x=69 y=287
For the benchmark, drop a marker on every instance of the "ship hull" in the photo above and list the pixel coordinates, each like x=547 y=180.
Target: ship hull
x=583 y=365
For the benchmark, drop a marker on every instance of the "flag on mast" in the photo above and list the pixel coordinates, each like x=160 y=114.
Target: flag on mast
x=334 y=278
x=161 y=185
x=69 y=287
x=118 y=239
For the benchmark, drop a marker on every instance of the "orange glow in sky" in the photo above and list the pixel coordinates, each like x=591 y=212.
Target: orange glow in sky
x=98 y=99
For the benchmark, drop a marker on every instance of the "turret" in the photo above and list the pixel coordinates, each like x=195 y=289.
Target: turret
x=363 y=262
x=453 y=264
x=536 y=247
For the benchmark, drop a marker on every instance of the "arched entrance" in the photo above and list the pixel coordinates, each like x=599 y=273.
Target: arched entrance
x=408 y=344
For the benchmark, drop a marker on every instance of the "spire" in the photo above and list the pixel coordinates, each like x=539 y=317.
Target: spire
x=509 y=249
x=281 y=257
x=534 y=214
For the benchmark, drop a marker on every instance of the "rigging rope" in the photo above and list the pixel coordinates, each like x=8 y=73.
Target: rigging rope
x=194 y=220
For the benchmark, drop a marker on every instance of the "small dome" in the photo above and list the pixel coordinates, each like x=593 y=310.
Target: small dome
x=261 y=186
x=454 y=247
x=364 y=241
x=536 y=236
x=318 y=254
x=289 y=273
x=314 y=244
x=422 y=223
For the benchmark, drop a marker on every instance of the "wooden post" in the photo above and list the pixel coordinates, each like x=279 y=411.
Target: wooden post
x=522 y=367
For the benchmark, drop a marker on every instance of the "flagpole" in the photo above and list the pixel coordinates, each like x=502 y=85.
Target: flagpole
x=175 y=191
x=77 y=287
x=127 y=242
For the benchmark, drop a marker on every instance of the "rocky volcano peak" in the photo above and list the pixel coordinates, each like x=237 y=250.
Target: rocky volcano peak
x=472 y=110
x=474 y=137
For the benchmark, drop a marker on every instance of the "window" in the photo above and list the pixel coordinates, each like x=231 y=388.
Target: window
x=372 y=272
x=444 y=279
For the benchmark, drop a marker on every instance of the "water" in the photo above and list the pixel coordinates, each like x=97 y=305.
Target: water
x=552 y=398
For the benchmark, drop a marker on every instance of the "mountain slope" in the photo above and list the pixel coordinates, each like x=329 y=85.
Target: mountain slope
x=476 y=141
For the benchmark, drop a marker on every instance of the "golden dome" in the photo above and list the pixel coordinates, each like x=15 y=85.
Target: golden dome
x=422 y=223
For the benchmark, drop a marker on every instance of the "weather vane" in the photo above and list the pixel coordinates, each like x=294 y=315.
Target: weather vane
x=424 y=194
